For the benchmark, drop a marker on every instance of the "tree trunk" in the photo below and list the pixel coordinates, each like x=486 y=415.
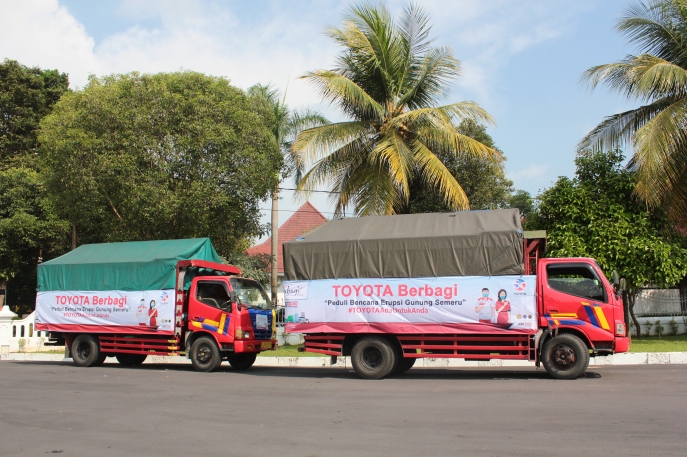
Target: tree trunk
x=3 y=291
x=275 y=243
x=626 y=314
x=683 y=294
x=631 y=296
x=74 y=235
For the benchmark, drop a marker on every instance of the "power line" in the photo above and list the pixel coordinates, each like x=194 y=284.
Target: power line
x=295 y=210
x=320 y=191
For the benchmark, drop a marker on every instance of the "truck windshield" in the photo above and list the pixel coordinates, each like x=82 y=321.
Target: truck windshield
x=250 y=293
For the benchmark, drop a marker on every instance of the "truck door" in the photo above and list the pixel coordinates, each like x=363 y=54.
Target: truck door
x=210 y=308
x=575 y=296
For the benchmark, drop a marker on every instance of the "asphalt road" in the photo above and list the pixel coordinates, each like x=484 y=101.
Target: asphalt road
x=162 y=410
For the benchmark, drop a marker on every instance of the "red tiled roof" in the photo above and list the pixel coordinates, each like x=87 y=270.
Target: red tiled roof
x=302 y=221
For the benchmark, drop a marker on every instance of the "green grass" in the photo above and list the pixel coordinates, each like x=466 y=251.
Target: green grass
x=669 y=343
x=289 y=351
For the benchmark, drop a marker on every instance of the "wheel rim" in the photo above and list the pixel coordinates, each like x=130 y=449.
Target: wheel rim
x=83 y=351
x=563 y=356
x=204 y=354
x=372 y=358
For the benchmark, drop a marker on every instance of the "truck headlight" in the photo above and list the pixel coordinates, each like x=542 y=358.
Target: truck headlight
x=619 y=329
x=246 y=335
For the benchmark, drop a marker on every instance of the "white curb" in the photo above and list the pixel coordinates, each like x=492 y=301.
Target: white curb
x=630 y=358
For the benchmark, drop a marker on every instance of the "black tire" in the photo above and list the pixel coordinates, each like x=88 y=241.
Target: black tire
x=565 y=356
x=100 y=360
x=85 y=350
x=131 y=360
x=373 y=357
x=404 y=364
x=242 y=361
x=205 y=354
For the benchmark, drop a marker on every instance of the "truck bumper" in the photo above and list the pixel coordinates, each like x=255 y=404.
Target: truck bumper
x=254 y=345
x=622 y=344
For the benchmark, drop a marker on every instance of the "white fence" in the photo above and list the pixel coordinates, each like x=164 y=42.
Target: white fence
x=672 y=325
x=19 y=335
x=659 y=302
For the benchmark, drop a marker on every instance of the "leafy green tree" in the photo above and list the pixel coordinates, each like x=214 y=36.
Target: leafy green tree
x=253 y=266
x=595 y=215
x=522 y=200
x=483 y=180
x=175 y=155
x=284 y=122
x=657 y=78
x=285 y=125
x=388 y=80
x=26 y=96
x=30 y=229
x=29 y=225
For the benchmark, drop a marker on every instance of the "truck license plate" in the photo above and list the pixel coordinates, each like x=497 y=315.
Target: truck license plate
x=266 y=345
x=261 y=322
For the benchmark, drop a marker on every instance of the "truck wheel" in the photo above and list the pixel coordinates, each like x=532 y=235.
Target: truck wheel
x=131 y=360
x=85 y=350
x=242 y=361
x=405 y=364
x=100 y=360
x=205 y=355
x=565 y=356
x=373 y=357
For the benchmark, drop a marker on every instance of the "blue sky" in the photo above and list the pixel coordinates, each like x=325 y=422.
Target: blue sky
x=521 y=59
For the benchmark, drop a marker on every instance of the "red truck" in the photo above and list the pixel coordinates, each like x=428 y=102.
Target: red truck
x=135 y=299
x=388 y=290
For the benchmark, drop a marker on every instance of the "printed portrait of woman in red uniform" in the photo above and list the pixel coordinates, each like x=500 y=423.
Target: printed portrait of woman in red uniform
x=152 y=314
x=502 y=309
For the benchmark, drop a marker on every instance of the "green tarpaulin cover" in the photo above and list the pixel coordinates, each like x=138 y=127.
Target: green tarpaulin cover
x=135 y=265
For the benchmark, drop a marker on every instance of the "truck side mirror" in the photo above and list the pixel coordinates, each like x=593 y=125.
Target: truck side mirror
x=616 y=280
x=233 y=297
x=623 y=285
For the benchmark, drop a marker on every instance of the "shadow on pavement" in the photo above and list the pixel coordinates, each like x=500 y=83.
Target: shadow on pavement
x=487 y=374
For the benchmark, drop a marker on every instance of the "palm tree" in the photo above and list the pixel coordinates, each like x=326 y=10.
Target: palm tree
x=658 y=78
x=388 y=80
x=285 y=125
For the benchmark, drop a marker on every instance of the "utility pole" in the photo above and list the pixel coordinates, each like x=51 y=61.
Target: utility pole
x=275 y=243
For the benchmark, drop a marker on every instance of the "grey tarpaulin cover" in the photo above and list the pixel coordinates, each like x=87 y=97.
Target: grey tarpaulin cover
x=464 y=243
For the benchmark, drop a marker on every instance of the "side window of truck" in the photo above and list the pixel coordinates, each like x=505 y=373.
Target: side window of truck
x=580 y=281
x=213 y=294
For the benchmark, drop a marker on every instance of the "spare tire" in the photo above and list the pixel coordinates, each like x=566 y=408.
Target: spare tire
x=404 y=364
x=242 y=361
x=131 y=360
x=101 y=360
x=373 y=357
x=85 y=350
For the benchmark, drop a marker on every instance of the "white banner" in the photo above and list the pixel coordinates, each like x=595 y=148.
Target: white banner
x=150 y=309
x=507 y=302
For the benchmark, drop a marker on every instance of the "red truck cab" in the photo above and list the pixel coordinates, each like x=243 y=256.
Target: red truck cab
x=575 y=297
x=223 y=315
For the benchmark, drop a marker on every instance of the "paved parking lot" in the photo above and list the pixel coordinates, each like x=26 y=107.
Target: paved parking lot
x=158 y=410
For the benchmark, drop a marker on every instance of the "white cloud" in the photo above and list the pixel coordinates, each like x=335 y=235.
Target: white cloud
x=42 y=33
x=274 y=42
